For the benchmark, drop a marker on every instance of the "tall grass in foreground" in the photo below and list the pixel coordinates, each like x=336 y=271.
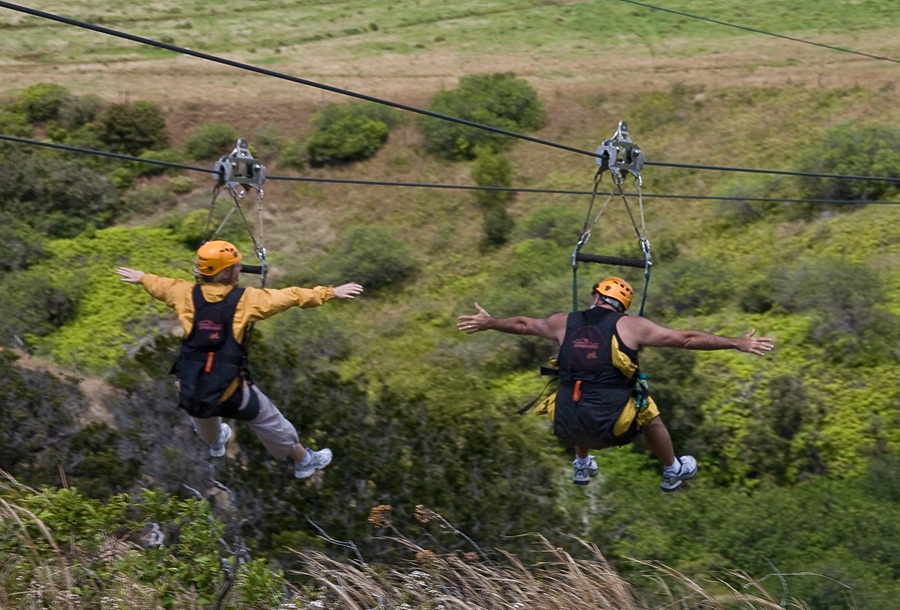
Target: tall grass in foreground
x=109 y=566
x=559 y=583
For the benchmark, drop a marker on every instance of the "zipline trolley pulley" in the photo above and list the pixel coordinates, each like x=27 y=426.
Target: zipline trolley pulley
x=620 y=156
x=240 y=174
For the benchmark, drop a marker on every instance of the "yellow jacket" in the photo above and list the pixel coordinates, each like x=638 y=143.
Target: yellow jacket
x=255 y=304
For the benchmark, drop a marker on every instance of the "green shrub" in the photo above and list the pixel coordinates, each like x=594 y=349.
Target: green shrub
x=181 y=185
x=89 y=135
x=38 y=409
x=188 y=570
x=166 y=155
x=35 y=304
x=499 y=100
x=372 y=256
x=210 y=141
x=559 y=224
x=292 y=154
x=493 y=170
x=757 y=297
x=736 y=213
x=73 y=114
x=62 y=196
x=852 y=150
x=43 y=101
x=123 y=177
x=847 y=300
x=14 y=123
x=690 y=287
x=132 y=128
x=369 y=110
x=345 y=133
x=149 y=198
x=77 y=111
x=192 y=229
x=22 y=245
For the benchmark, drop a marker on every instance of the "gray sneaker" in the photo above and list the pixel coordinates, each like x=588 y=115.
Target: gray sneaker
x=583 y=474
x=688 y=470
x=319 y=460
x=217 y=449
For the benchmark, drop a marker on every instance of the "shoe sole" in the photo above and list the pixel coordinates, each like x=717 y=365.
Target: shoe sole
x=680 y=483
x=306 y=475
x=591 y=475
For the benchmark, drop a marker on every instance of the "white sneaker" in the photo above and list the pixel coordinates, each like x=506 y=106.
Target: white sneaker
x=688 y=470
x=583 y=474
x=317 y=461
x=217 y=449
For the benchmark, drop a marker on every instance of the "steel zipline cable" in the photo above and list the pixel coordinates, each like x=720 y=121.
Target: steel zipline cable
x=758 y=31
x=369 y=98
x=461 y=187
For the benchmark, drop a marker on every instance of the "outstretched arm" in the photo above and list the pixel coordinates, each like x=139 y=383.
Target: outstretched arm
x=132 y=276
x=552 y=327
x=637 y=331
x=347 y=291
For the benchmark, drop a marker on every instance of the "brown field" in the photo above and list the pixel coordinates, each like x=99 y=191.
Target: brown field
x=197 y=90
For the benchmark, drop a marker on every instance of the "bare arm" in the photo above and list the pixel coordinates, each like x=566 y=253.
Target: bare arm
x=553 y=327
x=637 y=331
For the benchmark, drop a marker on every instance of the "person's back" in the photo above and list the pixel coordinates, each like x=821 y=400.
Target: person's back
x=217 y=267
x=598 y=407
x=596 y=378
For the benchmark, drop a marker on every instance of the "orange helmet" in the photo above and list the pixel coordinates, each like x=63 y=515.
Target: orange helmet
x=616 y=288
x=213 y=256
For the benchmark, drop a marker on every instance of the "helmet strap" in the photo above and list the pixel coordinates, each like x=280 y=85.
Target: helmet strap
x=613 y=303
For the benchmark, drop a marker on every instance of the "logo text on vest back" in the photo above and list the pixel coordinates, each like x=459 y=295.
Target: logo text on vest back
x=585 y=343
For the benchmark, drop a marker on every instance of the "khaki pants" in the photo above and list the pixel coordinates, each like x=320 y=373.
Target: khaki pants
x=276 y=433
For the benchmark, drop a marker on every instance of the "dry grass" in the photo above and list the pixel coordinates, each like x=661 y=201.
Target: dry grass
x=556 y=580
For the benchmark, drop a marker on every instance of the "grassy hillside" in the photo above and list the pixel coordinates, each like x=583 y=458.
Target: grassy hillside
x=813 y=424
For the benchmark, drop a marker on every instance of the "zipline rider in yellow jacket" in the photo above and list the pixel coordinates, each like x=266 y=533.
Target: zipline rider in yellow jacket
x=217 y=269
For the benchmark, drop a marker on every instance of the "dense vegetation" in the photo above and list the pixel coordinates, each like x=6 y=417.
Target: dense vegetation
x=799 y=452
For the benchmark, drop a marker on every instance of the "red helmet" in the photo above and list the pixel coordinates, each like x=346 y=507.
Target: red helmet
x=213 y=256
x=616 y=288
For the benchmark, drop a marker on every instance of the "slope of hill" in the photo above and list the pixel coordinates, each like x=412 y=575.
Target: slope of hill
x=394 y=383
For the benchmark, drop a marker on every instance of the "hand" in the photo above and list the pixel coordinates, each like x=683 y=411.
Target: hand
x=758 y=346
x=347 y=291
x=132 y=276
x=475 y=323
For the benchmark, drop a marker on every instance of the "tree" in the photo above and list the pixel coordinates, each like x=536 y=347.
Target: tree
x=59 y=197
x=400 y=451
x=346 y=133
x=43 y=101
x=852 y=150
x=22 y=243
x=847 y=300
x=39 y=411
x=491 y=170
x=499 y=100
x=210 y=141
x=372 y=256
x=132 y=128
